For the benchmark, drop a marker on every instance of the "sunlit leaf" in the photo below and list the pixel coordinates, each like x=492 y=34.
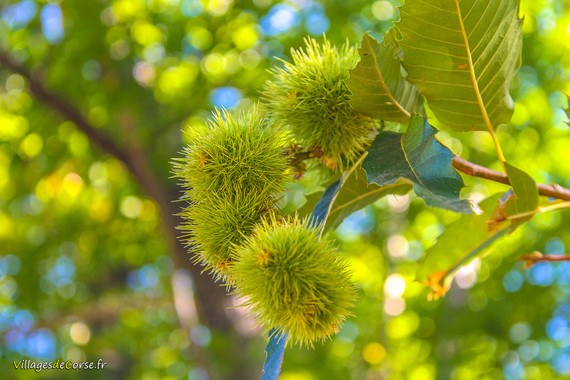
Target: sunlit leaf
x=525 y=194
x=462 y=56
x=420 y=158
x=519 y=203
x=463 y=240
x=377 y=83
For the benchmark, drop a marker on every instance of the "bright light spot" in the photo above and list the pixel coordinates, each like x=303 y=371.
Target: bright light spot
x=32 y=145
x=119 y=49
x=513 y=281
x=52 y=23
x=201 y=335
x=191 y=8
x=214 y=64
x=394 y=306
x=20 y=14
x=374 y=353
x=541 y=274
x=183 y=291
x=475 y=198
x=198 y=374
x=394 y=286
x=554 y=246
x=245 y=37
x=383 y=10
x=131 y=207
x=356 y=224
x=402 y=326
x=226 y=97
x=77 y=143
x=249 y=59
x=9 y=264
x=100 y=209
x=399 y=203
x=218 y=7
x=398 y=246
x=558 y=328
x=144 y=73
x=561 y=362
x=466 y=276
x=145 y=33
x=63 y=272
x=13 y=126
x=279 y=19
x=72 y=184
x=519 y=332
x=512 y=367
x=80 y=333
x=8 y=288
x=40 y=344
x=97 y=174
x=199 y=37
x=424 y=372
x=145 y=278
x=154 y=53
x=15 y=82
x=317 y=23
x=529 y=350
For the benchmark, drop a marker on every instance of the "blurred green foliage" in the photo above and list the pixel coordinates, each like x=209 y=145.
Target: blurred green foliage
x=86 y=273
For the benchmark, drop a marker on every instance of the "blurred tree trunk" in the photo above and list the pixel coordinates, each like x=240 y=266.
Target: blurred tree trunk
x=211 y=299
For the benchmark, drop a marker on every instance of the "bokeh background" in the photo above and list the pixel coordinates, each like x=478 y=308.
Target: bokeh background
x=93 y=98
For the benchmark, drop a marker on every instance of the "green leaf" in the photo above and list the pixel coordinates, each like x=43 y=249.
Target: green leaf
x=519 y=203
x=462 y=55
x=377 y=83
x=354 y=195
x=420 y=158
x=323 y=206
x=463 y=240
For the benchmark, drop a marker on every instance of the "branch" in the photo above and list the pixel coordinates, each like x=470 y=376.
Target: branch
x=469 y=168
x=211 y=296
x=536 y=257
x=65 y=109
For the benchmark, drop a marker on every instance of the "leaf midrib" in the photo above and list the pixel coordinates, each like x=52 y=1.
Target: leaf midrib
x=383 y=83
x=409 y=162
x=471 y=64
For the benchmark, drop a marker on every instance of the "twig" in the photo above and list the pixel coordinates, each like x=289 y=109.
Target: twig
x=537 y=256
x=469 y=168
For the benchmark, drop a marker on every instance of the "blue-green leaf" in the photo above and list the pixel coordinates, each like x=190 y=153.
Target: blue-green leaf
x=355 y=194
x=323 y=206
x=419 y=157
